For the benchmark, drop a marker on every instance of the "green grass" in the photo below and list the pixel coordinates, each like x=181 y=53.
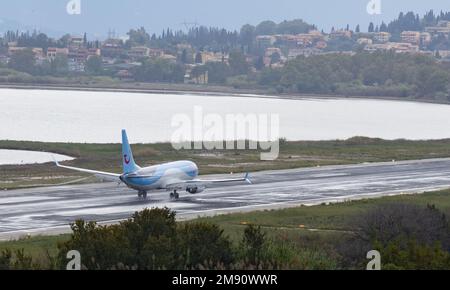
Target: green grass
x=332 y=221
x=327 y=219
x=37 y=246
x=296 y=154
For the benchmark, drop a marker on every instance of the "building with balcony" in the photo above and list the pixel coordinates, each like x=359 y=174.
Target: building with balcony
x=53 y=52
x=410 y=37
x=381 y=37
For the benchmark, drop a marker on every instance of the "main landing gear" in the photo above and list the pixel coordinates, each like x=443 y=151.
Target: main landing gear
x=174 y=195
x=142 y=194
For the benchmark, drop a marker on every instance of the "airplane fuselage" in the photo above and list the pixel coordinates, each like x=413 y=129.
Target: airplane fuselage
x=173 y=176
x=158 y=176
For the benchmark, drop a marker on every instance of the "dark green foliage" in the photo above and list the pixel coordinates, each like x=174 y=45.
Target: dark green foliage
x=407 y=236
x=23 y=61
x=94 y=65
x=139 y=242
x=295 y=26
x=238 y=63
x=138 y=37
x=149 y=240
x=17 y=260
x=413 y=256
x=159 y=70
x=409 y=222
x=405 y=22
x=254 y=242
x=381 y=73
x=198 y=58
x=266 y=28
x=218 y=72
x=204 y=244
x=5 y=259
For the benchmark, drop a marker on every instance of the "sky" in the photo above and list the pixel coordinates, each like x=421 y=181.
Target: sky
x=99 y=16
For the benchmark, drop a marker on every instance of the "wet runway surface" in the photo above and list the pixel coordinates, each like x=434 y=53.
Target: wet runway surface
x=49 y=210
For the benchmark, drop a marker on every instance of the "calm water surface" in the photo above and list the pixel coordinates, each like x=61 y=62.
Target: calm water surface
x=98 y=117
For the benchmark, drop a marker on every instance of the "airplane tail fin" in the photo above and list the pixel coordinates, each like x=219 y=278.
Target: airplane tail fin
x=127 y=155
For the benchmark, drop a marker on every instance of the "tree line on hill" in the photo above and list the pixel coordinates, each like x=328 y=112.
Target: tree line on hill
x=362 y=74
x=410 y=21
x=371 y=74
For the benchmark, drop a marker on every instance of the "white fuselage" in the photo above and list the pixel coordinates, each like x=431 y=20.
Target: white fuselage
x=158 y=176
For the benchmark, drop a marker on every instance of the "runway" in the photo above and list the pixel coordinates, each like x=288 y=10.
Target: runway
x=50 y=210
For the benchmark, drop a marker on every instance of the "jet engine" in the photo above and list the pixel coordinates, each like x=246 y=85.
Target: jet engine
x=193 y=189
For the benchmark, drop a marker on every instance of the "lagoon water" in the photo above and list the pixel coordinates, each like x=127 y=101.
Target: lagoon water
x=21 y=157
x=98 y=117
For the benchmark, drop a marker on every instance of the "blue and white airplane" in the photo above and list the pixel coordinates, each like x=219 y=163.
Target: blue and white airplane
x=173 y=176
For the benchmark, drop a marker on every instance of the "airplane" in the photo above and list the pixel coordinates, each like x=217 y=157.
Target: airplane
x=173 y=176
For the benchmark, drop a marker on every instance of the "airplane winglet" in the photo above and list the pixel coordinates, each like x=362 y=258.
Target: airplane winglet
x=54 y=160
x=247 y=179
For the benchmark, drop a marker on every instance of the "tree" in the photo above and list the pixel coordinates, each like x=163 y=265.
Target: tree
x=138 y=37
x=357 y=29
x=408 y=236
x=295 y=26
x=238 y=63
x=259 y=64
x=254 y=241
x=184 y=57
x=131 y=243
x=371 y=27
x=266 y=28
x=64 y=40
x=437 y=55
x=204 y=245
x=59 y=65
x=159 y=70
x=247 y=36
x=198 y=57
x=405 y=22
x=42 y=41
x=426 y=225
x=415 y=256
x=149 y=223
x=23 y=60
x=218 y=72
x=430 y=81
x=94 y=65
x=275 y=58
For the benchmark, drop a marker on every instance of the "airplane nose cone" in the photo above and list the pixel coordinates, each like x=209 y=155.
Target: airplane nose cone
x=194 y=168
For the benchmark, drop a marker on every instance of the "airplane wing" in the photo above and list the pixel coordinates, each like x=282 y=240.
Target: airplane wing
x=181 y=185
x=100 y=174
